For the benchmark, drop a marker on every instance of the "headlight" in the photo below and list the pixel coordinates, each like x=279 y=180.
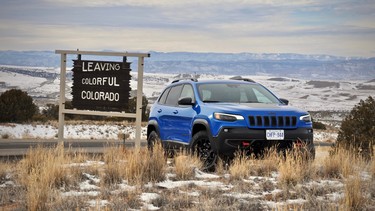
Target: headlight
x=227 y=117
x=305 y=118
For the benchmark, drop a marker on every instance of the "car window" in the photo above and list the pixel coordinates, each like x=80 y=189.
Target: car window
x=261 y=98
x=163 y=96
x=236 y=93
x=173 y=95
x=187 y=91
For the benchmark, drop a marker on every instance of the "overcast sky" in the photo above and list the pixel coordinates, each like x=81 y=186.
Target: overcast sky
x=335 y=27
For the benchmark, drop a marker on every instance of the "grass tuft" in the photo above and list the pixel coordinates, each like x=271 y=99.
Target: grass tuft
x=294 y=168
x=240 y=166
x=145 y=165
x=185 y=165
x=354 y=198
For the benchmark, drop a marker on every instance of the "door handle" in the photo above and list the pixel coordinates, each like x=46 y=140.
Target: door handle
x=175 y=112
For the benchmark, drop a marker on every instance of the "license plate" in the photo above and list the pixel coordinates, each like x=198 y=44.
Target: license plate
x=275 y=134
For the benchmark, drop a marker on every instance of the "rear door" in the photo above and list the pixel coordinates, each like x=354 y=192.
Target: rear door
x=175 y=121
x=168 y=114
x=186 y=114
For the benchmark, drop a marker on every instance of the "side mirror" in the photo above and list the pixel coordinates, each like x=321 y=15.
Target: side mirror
x=284 y=101
x=185 y=101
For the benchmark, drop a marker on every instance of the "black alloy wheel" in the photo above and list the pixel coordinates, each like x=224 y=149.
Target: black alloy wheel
x=202 y=146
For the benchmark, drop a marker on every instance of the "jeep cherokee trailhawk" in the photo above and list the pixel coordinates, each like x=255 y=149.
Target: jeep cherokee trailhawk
x=218 y=117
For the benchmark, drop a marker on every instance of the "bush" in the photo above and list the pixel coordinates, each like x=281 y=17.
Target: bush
x=51 y=112
x=132 y=107
x=357 y=131
x=16 y=106
x=319 y=125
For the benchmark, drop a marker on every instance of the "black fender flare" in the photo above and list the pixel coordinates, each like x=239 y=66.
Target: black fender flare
x=154 y=124
x=205 y=123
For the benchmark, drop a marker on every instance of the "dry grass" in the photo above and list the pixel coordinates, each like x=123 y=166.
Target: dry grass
x=41 y=172
x=354 y=198
x=4 y=170
x=45 y=175
x=114 y=169
x=137 y=166
x=144 y=166
x=341 y=163
x=268 y=164
x=185 y=165
x=372 y=168
x=240 y=166
x=294 y=168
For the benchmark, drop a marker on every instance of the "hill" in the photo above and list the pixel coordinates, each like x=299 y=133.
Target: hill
x=286 y=64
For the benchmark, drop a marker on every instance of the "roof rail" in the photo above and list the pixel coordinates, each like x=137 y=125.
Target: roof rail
x=184 y=79
x=242 y=79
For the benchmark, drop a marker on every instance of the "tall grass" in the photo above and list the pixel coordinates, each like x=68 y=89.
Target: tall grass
x=44 y=174
x=186 y=164
x=4 y=168
x=240 y=166
x=372 y=167
x=342 y=163
x=143 y=165
x=354 y=197
x=137 y=166
x=268 y=163
x=42 y=171
x=295 y=168
x=114 y=169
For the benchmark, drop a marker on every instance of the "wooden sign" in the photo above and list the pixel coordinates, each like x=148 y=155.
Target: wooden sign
x=101 y=85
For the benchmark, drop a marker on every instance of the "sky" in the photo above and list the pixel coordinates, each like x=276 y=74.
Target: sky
x=333 y=27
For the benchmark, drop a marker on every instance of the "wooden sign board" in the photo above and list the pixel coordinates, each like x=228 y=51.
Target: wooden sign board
x=101 y=85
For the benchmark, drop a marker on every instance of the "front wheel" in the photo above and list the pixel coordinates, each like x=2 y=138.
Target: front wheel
x=202 y=146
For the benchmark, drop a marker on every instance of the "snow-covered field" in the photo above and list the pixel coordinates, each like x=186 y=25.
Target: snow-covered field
x=88 y=130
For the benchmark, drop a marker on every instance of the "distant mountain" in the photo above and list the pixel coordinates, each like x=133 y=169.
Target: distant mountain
x=286 y=64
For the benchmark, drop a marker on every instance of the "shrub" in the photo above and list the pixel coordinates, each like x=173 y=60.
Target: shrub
x=51 y=112
x=132 y=107
x=357 y=130
x=319 y=125
x=16 y=106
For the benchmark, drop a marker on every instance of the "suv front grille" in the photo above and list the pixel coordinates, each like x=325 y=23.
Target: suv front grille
x=273 y=121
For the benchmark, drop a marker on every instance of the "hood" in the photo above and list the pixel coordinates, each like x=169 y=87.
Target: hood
x=253 y=107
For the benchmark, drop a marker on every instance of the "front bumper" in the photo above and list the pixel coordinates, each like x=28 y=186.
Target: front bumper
x=230 y=140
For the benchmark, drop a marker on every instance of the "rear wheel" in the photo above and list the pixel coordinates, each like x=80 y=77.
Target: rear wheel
x=202 y=146
x=153 y=138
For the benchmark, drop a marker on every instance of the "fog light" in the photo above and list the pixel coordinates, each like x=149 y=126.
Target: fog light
x=226 y=130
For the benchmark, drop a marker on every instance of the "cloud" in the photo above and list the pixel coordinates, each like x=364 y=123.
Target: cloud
x=335 y=27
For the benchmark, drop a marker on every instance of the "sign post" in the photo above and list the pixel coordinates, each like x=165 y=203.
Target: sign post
x=101 y=88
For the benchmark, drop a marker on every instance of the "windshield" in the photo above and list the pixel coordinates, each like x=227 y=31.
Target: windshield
x=235 y=93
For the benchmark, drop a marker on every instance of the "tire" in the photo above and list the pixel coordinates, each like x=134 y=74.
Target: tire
x=152 y=139
x=202 y=146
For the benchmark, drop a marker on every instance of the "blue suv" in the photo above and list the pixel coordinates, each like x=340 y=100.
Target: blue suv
x=216 y=118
